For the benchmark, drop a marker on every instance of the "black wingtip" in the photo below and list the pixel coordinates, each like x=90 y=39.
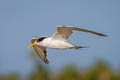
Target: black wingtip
x=102 y=35
x=46 y=62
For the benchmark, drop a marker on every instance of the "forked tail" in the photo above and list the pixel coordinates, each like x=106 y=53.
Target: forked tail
x=78 y=47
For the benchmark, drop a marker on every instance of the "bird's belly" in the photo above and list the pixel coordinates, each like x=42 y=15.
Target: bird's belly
x=59 y=45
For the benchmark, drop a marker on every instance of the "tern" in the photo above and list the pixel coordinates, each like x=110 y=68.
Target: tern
x=59 y=40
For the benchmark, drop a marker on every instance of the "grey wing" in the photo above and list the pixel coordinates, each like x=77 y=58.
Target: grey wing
x=41 y=51
x=63 y=32
x=89 y=31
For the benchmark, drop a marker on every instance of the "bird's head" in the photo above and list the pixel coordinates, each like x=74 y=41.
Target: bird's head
x=31 y=45
x=34 y=41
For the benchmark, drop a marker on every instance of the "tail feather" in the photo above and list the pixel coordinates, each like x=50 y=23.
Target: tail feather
x=78 y=47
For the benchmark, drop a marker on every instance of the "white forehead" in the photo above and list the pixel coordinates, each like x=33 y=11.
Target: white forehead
x=34 y=38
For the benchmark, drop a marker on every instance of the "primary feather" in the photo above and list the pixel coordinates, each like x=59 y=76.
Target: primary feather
x=64 y=32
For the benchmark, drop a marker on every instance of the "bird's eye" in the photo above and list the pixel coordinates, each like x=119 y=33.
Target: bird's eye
x=38 y=40
x=41 y=39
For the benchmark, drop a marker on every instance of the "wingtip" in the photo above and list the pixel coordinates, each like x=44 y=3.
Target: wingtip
x=47 y=62
x=103 y=35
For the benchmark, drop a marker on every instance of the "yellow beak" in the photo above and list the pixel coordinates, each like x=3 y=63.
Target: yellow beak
x=33 y=44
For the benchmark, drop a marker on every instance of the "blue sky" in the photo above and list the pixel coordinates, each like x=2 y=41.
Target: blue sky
x=21 y=20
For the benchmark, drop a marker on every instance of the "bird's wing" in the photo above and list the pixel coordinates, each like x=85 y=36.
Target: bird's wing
x=41 y=51
x=63 y=32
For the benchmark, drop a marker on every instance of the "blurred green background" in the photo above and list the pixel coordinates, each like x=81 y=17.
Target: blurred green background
x=100 y=70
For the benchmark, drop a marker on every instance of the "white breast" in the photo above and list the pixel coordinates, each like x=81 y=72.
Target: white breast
x=57 y=44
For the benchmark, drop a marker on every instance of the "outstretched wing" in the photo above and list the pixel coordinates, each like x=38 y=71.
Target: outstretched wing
x=41 y=51
x=63 y=32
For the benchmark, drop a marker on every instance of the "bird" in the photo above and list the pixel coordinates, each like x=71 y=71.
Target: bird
x=59 y=40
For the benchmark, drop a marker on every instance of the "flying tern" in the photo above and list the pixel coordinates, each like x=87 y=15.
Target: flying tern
x=59 y=40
